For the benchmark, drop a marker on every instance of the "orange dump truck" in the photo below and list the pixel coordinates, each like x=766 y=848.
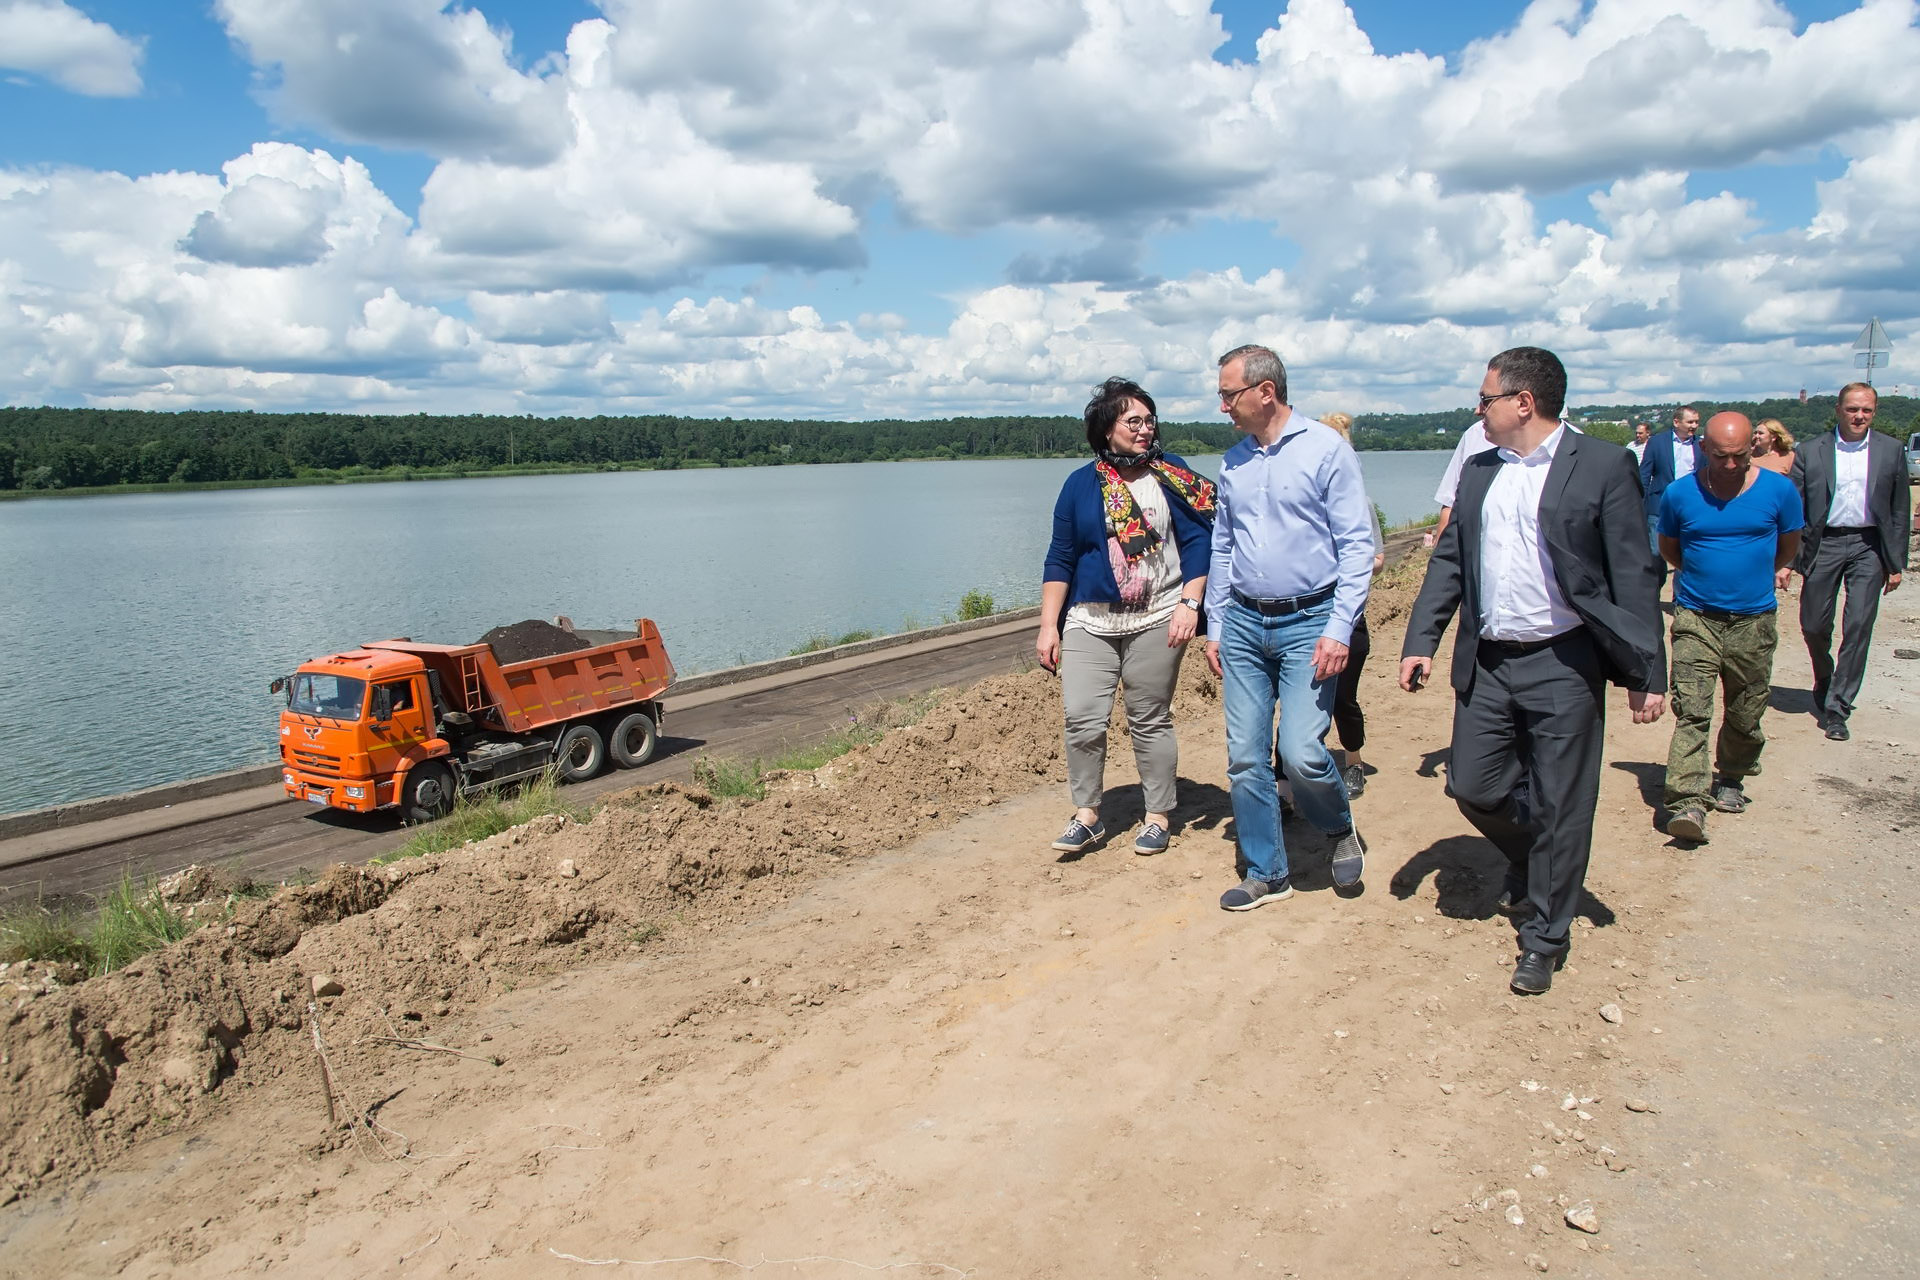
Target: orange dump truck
x=394 y=723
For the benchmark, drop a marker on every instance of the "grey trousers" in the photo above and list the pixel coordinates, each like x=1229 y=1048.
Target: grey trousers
x=1090 y=668
x=1852 y=559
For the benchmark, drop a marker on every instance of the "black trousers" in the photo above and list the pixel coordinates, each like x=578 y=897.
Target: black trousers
x=1852 y=560
x=1349 y=721
x=1525 y=770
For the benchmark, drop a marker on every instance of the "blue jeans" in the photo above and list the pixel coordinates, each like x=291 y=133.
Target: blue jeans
x=1264 y=661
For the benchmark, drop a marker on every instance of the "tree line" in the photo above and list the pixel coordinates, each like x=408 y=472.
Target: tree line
x=43 y=449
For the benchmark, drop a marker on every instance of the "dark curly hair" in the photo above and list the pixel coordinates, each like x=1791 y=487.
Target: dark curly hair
x=1109 y=398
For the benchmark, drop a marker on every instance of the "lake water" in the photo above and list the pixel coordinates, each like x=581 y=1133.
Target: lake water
x=139 y=632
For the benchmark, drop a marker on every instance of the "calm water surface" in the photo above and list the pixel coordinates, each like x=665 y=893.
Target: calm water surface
x=140 y=632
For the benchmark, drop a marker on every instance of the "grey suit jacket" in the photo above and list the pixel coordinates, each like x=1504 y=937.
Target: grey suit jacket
x=1596 y=532
x=1889 y=500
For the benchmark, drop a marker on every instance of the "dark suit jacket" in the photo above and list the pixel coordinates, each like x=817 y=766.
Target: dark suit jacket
x=1596 y=532
x=1889 y=500
x=1656 y=465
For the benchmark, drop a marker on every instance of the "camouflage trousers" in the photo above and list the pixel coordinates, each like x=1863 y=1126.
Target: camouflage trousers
x=1713 y=652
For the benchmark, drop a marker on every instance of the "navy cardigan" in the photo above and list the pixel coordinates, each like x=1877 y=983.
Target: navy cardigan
x=1077 y=555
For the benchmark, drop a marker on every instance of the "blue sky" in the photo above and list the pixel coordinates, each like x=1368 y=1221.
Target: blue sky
x=847 y=208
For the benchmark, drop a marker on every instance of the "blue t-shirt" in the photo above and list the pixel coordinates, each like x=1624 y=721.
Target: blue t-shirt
x=1727 y=548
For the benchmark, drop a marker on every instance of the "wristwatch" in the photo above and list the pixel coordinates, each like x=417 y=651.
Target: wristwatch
x=1191 y=603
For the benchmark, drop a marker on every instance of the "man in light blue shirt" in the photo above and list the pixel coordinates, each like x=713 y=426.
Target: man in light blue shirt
x=1292 y=558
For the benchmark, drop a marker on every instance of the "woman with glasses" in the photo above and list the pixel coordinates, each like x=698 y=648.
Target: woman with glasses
x=1773 y=446
x=1125 y=573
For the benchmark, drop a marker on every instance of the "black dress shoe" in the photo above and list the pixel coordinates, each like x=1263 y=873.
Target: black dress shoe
x=1534 y=974
x=1837 y=730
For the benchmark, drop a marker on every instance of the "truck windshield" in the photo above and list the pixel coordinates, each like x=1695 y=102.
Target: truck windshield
x=336 y=697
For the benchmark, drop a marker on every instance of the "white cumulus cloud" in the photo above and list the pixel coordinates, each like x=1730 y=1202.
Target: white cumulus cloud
x=53 y=39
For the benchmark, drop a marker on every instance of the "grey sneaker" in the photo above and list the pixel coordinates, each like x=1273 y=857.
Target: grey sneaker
x=1349 y=858
x=1729 y=797
x=1079 y=836
x=1251 y=893
x=1689 y=824
x=1152 y=839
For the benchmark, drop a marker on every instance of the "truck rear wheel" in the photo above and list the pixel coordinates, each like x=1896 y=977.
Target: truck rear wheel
x=428 y=793
x=632 y=740
x=579 y=754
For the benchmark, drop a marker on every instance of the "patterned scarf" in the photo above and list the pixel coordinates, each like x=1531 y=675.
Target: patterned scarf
x=1131 y=538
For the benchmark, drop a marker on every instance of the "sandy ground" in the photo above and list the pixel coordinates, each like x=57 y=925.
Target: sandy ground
x=919 y=1042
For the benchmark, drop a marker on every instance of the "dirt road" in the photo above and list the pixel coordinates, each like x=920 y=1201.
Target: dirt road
x=872 y=1023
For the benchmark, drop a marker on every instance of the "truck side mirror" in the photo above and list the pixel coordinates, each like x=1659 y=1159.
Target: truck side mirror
x=382 y=704
x=279 y=685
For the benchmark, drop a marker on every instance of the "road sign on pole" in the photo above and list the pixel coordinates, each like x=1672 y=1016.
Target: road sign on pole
x=1871 y=348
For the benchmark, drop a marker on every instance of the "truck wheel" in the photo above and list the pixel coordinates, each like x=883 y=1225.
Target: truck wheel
x=579 y=754
x=632 y=739
x=428 y=793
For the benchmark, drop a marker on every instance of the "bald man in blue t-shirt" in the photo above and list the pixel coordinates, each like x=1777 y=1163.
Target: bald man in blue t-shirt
x=1726 y=529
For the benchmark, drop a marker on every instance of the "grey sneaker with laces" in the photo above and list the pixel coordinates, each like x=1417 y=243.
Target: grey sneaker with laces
x=1251 y=893
x=1349 y=858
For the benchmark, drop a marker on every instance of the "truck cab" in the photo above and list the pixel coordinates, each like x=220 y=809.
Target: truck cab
x=355 y=724
x=1913 y=458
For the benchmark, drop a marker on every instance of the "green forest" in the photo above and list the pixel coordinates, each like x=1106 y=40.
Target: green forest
x=52 y=449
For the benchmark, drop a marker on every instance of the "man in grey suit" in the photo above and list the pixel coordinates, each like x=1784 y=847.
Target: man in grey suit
x=1853 y=484
x=1540 y=637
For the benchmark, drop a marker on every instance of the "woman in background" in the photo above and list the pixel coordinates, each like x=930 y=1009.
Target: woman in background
x=1773 y=446
x=1349 y=721
x=1125 y=574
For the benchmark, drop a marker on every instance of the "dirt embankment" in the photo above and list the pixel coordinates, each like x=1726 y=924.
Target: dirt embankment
x=92 y=1067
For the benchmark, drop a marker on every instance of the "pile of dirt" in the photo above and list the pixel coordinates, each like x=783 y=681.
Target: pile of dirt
x=530 y=639
x=370 y=949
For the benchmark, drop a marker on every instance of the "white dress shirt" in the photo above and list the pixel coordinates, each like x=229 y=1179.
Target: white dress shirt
x=1519 y=597
x=1683 y=455
x=1849 y=508
x=1473 y=440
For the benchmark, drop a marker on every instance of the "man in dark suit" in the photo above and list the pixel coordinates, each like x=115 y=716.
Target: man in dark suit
x=1853 y=484
x=1539 y=639
x=1670 y=455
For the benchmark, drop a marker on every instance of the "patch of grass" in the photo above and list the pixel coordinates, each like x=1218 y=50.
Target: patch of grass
x=722 y=776
x=646 y=933
x=130 y=921
x=817 y=643
x=40 y=933
x=477 y=818
x=134 y=919
x=976 y=604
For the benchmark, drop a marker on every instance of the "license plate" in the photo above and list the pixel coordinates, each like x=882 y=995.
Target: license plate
x=318 y=797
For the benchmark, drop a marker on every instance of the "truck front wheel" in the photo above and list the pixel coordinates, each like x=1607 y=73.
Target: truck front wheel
x=428 y=793
x=579 y=754
x=632 y=740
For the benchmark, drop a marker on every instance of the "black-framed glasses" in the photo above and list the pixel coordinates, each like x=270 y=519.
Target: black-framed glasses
x=1137 y=423
x=1486 y=400
x=1228 y=397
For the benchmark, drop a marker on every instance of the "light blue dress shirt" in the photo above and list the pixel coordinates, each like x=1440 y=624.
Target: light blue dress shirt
x=1292 y=519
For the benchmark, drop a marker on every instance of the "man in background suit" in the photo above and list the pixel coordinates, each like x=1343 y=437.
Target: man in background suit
x=1540 y=636
x=1668 y=456
x=1853 y=484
